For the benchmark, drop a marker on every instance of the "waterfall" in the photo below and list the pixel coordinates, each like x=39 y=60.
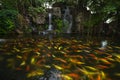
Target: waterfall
x=67 y=21
x=50 y=26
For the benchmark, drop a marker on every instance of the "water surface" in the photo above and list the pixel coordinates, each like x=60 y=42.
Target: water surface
x=76 y=57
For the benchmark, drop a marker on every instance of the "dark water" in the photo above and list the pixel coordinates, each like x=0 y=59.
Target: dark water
x=74 y=56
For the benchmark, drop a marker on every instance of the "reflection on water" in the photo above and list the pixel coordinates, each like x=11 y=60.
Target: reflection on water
x=3 y=40
x=59 y=58
x=104 y=43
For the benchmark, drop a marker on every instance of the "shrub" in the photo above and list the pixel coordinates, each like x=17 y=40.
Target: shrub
x=7 y=21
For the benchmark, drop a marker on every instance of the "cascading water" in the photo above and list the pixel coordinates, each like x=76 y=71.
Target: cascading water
x=50 y=26
x=67 y=21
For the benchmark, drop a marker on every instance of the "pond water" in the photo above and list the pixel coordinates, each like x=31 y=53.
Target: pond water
x=72 y=57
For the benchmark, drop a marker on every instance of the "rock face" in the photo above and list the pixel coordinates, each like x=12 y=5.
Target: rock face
x=57 y=11
x=39 y=19
x=79 y=23
x=21 y=24
x=81 y=18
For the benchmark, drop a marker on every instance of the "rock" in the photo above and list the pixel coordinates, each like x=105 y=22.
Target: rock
x=39 y=19
x=79 y=22
x=52 y=74
x=57 y=11
x=19 y=31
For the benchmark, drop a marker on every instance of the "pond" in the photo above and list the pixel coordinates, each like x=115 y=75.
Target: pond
x=63 y=57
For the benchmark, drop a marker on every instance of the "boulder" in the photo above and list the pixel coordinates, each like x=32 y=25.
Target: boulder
x=57 y=11
x=39 y=19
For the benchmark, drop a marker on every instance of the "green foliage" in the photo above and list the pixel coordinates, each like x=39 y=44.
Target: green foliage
x=109 y=8
x=7 y=18
x=36 y=10
x=92 y=21
x=104 y=8
x=8 y=13
x=59 y=24
x=8 y=4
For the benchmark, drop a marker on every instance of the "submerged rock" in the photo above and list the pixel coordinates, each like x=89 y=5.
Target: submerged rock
x=51 y=74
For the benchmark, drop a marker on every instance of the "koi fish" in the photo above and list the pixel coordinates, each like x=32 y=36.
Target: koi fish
x=104 y=61
x=98 y=77
x=74 y=75
x=27 y=68
x=18 y=68
x=117 y=55
x=23 y=63
x=117 y=74
x=75 y=61
x=103 y=75
x=91 y=68
x=66 y=77
x=34 y=73
x=59 y=59
x=33 y=60
x=102 y=67
x=93 y=56
x=74 y=56
x=58 y=67
x=86 y=72
x=66 y=67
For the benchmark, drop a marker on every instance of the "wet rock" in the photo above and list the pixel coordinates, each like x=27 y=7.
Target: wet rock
x=51 y=74
x=79 y=22
x=57 y=11
x=39 y=19
x=18 y=31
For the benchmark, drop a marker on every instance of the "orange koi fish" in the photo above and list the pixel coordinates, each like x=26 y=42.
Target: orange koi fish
x=102 y=67
x=92 y=55
x=75 y=61
x=59 y=59
x=98 y=77
x=27 y=68
x=74 y=75
x=104 y=61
